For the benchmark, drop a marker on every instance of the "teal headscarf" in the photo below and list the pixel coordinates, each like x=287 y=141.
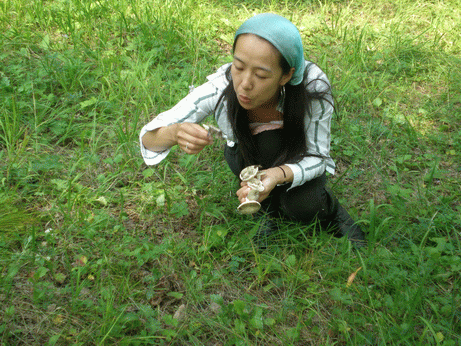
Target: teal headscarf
x=283 y=35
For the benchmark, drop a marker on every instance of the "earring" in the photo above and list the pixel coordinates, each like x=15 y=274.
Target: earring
x=282 y=92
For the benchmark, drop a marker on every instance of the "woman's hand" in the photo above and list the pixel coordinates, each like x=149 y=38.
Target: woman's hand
x=270 y=179
x=192 y=138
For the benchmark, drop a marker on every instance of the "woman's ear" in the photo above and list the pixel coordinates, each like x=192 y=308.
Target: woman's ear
x=286 y=77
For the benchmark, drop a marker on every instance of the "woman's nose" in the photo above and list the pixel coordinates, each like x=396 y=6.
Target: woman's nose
x=247 y=82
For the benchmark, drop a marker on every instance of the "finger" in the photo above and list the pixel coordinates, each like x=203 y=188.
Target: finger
x=192 y=141
x=242 y=193
x=191 y=148
x=192 y=145
x=195 y=130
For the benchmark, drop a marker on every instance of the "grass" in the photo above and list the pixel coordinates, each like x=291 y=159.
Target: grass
x=96 y=248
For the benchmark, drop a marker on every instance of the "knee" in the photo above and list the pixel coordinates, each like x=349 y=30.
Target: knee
x=307 y=204
x=305 y=211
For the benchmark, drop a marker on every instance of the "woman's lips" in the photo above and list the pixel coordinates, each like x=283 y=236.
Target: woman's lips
x=244 y=99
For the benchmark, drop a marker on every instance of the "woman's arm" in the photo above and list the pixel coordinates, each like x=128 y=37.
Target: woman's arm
x=191 y=138
x=318 y=132
x=160 y=139
x=163 y=131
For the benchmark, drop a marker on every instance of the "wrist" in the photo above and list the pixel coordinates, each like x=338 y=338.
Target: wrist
x=278 y=174
x=173 y=131
x=282 y=174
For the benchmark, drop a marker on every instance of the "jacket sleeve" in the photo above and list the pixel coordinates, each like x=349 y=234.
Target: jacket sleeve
x=318 y=132
x=195 y=107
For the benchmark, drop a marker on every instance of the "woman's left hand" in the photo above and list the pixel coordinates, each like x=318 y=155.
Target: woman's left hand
x=269 y=181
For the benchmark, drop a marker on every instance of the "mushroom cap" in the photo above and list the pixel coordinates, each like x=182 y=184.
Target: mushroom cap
x=213 y=131
x=260 y=175
x=255 y=184
x=249 y=172
x=249 y=207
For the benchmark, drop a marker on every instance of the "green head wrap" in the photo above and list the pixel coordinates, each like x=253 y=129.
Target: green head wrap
x=283 y=35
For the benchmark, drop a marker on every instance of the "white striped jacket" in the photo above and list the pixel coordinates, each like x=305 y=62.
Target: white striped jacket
x=201 y=102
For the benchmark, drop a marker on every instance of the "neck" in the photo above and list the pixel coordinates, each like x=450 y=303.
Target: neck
x=271 y=103
x=263 y=115
x=266 y=112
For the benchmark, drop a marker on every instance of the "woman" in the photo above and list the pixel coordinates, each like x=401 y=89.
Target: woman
x=274 y=108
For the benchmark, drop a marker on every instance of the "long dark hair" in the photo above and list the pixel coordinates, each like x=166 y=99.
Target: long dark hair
x=297 y=104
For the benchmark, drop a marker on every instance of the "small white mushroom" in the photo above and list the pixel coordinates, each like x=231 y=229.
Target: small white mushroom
x=252 y=176
x=253 y=195
x=255 y=184
x=213 y=131
x=249 y=172
x=260 y=174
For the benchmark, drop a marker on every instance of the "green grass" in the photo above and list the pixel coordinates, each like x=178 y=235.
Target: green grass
x=98 y=249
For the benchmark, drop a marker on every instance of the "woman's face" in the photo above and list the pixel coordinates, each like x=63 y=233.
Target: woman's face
x=256 y=72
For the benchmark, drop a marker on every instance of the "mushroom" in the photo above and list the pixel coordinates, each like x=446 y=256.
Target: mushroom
x=213 y=131
x=249 y=172
x=252 y=176
x=249 y=207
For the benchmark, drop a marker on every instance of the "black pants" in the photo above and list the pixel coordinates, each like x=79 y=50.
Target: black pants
x=303 y=203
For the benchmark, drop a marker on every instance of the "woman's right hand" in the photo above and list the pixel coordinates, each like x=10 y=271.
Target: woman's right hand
x=192 y=138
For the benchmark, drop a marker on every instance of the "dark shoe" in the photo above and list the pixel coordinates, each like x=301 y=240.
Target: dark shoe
x=267 y=228
x=343 y=224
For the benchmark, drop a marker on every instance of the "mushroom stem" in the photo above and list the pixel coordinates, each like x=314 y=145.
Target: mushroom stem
x=252 y=176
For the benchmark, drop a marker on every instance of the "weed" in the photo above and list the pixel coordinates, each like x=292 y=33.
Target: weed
x=96 y=248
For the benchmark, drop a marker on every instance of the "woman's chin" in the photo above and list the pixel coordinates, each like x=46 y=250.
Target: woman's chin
x=247 y=106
